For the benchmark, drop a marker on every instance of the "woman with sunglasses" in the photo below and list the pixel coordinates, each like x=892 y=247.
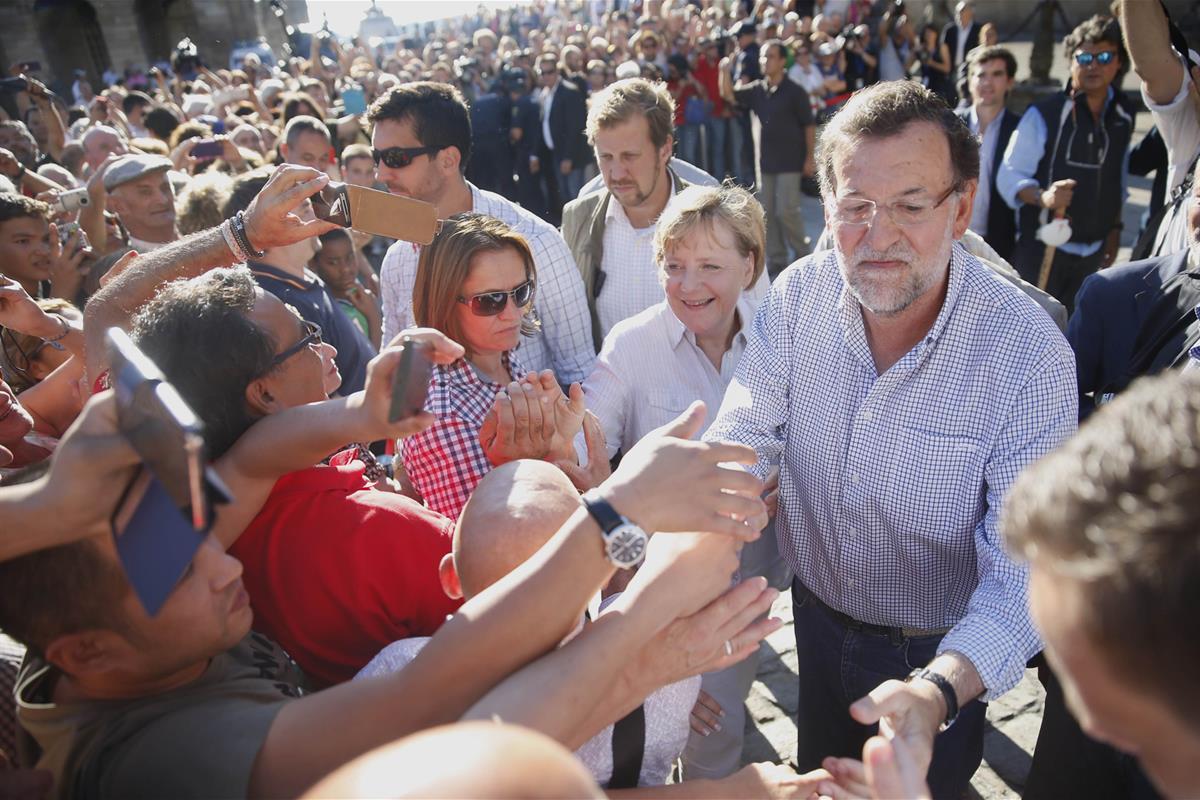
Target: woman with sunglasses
x=475 y=282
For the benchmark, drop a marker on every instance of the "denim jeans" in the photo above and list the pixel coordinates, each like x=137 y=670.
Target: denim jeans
x=689 y=143
x=741 y=162
x=569 y=184
x=838 y=666
x=714 y=143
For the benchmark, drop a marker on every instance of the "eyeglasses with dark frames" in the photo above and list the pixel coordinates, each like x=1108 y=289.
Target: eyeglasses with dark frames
x=401 y=157
x=312 y=335
x=489 y=304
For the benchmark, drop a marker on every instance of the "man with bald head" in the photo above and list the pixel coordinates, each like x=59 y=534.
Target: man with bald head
x=100 y=142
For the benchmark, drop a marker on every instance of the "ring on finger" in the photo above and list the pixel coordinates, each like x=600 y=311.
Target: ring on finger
x=728 y=647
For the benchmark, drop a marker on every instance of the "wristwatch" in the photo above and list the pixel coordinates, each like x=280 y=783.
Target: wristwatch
x=624 y=542
x=943 y=684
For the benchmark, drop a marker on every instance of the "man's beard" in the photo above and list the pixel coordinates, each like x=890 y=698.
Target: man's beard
x=884 y=292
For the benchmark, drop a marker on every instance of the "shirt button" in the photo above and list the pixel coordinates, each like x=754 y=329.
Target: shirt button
x=867 y=415
x=853 y=477
x=849 y=531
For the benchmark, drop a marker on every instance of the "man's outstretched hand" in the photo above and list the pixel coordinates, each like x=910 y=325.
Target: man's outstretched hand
x=271 y=218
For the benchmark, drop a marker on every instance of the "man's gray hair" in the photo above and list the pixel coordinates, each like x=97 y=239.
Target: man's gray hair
x=884 y=110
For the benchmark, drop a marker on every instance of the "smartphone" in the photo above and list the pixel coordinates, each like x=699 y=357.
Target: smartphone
x=73 y=199
x=207 y=149
x=354 y=101
x=163 y=430
x=154 y=541
x=380 y=213
x=411 y=382
x=31 y=66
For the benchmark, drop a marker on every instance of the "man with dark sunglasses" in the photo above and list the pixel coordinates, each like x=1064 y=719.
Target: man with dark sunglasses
x=1069 y=157
x=422 y=144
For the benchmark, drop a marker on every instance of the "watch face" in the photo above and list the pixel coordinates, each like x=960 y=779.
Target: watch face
x=627 y=545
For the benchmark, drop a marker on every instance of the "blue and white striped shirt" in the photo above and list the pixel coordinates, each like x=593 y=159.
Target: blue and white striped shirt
x=891 y=485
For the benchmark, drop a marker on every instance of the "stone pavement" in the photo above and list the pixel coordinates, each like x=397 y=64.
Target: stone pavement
x=1012 y=721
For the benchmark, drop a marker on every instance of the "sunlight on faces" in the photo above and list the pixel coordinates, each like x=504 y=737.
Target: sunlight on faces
x=309 y=150
x=1095 y=76
x=629 y=162
x=704 y=275
x=422 y=179
x=335 y=263
x=25 y=249
x=886 y=266
x=1108 y=706
x=989 y=82
x=310 y=375
x=360 y=172
x=145 y=203
x=492 y=271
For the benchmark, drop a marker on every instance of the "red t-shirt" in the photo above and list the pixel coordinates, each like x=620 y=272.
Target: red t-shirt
x=337 y=570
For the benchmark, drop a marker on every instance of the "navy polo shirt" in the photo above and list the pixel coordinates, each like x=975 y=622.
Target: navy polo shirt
x=310 y=297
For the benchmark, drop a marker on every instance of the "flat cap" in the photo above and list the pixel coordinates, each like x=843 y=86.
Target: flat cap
x=133 y=166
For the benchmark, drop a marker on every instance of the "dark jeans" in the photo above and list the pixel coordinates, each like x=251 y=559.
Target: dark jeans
x=838 y=666
x=1066 y=272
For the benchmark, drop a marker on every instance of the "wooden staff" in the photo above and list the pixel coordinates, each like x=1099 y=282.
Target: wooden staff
x=1048 y=258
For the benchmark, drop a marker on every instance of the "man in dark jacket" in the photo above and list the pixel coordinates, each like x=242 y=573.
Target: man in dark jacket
x=991 y=71
x=564 y=114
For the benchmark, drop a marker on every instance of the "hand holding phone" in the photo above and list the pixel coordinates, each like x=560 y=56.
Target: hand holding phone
x=207 y=150
x=380 y=213
x=410 y=384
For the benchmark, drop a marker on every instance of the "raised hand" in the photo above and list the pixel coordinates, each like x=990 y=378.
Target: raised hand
x=271 y=220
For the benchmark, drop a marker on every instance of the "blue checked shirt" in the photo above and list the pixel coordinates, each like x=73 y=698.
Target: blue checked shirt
x=891 y=485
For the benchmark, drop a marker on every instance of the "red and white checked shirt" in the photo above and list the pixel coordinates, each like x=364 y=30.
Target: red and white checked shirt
x=446 y=461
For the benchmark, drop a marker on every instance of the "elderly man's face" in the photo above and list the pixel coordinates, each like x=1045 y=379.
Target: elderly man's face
x=1109 y=706
x=889 y=266
x=308 y=150
x=145 y=202
x=99 y=145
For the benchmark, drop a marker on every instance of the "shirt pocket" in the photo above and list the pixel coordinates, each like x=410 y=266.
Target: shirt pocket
x=661 y=407
x=937 y=485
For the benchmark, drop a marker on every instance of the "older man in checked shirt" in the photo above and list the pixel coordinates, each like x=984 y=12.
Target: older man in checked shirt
x=903 y=386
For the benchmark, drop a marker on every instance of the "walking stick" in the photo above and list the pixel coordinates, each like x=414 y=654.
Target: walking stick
x=1048 y=259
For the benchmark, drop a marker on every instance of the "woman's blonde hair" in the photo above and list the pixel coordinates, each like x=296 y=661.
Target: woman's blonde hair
x=445 y=264
x=701 y=206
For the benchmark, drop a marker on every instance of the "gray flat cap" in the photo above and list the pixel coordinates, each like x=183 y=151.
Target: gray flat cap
x=133 y=166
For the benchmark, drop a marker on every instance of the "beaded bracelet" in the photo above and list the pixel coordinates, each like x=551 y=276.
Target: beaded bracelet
x=231 y=242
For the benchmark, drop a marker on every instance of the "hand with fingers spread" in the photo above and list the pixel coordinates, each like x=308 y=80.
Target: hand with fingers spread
x=271 y=220
x=667 y=482
x=597 y=469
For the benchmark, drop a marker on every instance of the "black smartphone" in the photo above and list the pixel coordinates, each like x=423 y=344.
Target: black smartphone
x=163 y=430
x=332 y=204
x=207 y=149
x=411 y=382
x=154 y=541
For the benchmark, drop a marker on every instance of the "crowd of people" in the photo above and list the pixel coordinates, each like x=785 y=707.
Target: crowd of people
x=655 y=401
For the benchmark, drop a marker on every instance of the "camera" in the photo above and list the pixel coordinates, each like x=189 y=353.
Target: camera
x=73 y=200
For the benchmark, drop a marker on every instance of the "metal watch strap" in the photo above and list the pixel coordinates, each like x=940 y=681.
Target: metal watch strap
x=602 y=511
x=946 y=688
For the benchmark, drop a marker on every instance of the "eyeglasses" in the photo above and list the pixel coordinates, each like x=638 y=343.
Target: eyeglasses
x=1103 y=58
x=489 y=304
x=859 y=211
x=312 y=335
x=15 y=360
x=401 y=157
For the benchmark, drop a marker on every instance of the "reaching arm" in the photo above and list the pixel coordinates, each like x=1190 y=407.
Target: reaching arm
x=1148 y=40
x=269 y=223
x=516 y=620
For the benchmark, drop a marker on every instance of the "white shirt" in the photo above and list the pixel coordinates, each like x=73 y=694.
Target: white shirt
x=1179 y=125
x=961 y=42
x=547 y=104
x=142 y=246
x=631 y=282
x=651 y=369
x=987 y=152
x=565 y=341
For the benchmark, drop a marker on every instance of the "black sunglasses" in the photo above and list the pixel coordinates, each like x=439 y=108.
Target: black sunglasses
x=401 y=157
x=489 y=304
x=312 y=335
x=1103 y=58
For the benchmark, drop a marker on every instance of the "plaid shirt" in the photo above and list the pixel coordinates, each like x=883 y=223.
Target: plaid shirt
x=891 y=485
x=446 y=461
x=564 y=344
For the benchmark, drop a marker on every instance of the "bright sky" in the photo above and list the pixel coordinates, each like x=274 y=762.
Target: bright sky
x=344 y=15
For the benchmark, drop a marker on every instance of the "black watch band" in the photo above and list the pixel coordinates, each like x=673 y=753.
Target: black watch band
x=602 y=511
x=946 y=688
